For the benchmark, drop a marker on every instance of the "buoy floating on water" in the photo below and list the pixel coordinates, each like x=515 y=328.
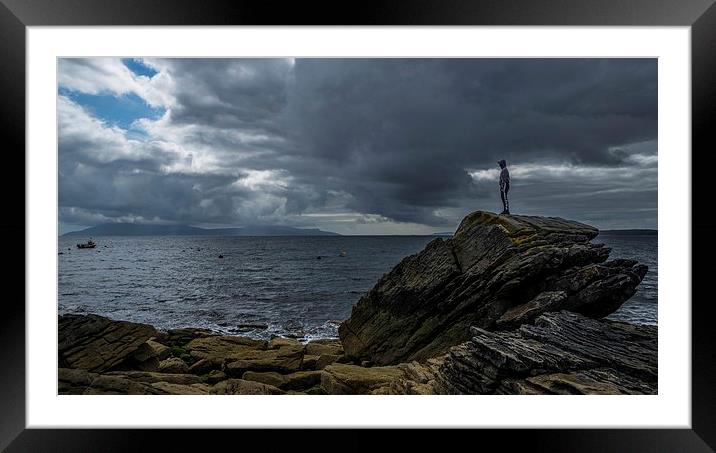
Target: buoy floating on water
x=221 y=256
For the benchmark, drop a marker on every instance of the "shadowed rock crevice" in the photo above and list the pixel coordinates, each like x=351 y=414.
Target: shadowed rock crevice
x=496 y=272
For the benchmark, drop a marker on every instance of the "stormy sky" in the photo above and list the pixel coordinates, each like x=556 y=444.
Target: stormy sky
x=355 y=146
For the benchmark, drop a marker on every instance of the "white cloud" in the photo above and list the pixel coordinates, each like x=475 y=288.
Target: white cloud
x=543 y=172
x=110 y=75
x=263 y=180
x=82 y=133
x=491 y=174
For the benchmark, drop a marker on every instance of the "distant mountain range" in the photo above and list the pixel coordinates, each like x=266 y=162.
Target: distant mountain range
x=132 y=229
x=641 y=232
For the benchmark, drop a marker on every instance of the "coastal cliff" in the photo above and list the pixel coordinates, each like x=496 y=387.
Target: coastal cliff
x=508 y=305
x=495 y=273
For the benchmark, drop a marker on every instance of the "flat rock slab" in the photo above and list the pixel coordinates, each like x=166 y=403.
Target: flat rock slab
x=562 y=353
x=94 y=343
x=324 y=347
x=173 y=365
x=149 y=377
x=213 y=347
x=300 y=380
x=73 y=381
x=496 y=272
x=160 y=351
x=343 y=379
x=182 y=336
x=120 y=385
x=284 y=359
x=278 y=342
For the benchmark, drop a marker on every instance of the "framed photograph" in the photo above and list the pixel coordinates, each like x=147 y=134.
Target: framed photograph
x=454 y=215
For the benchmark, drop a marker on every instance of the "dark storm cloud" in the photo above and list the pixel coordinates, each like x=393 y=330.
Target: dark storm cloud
x=401 y=140
x=401 y=133
x=230 y=93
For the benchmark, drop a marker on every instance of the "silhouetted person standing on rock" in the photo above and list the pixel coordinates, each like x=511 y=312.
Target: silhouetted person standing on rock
x=504 y=186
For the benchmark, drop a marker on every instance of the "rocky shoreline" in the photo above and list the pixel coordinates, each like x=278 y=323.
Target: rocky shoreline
x=508 y=305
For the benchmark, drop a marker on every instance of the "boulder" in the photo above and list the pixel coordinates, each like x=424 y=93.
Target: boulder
x=97 y=344
x=277 y=342
x=324 y=347
x=285 y=359
x=73 y=382
x=180 y=337
x=561 y=353
x=342 y=379
x=145 y=358
x=310 y=362
x=118 y=385
x=218 y=347
x=216 y=376
x=325 y=360
x=205 y=366
x=173 y=365
x=300 y=380
x=160 y=351
x=121 y=385
x=265 y=377
x=242 y=387
x=150 y=378
x=496 y=272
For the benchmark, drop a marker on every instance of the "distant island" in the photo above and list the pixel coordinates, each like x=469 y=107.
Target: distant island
x=133 y=229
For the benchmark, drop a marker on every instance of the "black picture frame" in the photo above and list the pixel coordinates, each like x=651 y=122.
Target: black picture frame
x=700 y=15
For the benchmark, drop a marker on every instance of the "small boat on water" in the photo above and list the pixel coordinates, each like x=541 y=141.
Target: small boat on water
x=90 y=244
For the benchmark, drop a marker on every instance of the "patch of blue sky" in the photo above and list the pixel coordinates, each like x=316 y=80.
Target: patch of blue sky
x=115 y=110
x=138 y=67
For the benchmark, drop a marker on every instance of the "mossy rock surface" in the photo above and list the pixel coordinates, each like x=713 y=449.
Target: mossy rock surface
x=341 y=379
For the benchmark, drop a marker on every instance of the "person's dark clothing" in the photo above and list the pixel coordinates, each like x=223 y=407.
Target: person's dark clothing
x=504 y=187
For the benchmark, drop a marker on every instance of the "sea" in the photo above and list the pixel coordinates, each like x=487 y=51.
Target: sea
x=300 y=287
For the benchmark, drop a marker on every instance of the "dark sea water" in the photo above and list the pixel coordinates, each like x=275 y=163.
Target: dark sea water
x=263 y=286
x=642 y=308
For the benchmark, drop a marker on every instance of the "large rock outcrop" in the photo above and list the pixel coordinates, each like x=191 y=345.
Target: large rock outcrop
x=495 y=273
x=98 y=344
x=561 y=353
